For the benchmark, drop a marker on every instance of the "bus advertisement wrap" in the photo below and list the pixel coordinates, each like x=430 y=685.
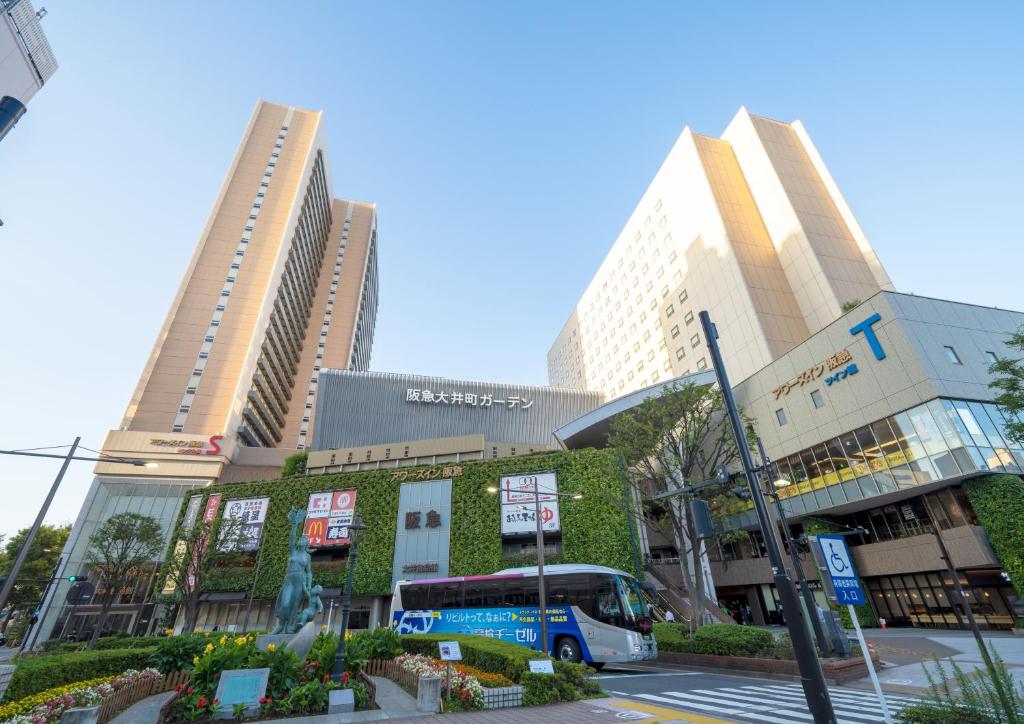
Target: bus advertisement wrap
x=515 y=625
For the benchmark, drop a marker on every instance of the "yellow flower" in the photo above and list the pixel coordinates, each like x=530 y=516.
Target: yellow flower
x=223 y=640
x=241 y=641
x=169 y=632
x=323 y=627
x=208 y=649
x=195 y=659
x=271 y=647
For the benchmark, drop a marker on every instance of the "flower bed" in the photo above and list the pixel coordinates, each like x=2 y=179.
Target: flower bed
x=467 y=693
x=47 y=706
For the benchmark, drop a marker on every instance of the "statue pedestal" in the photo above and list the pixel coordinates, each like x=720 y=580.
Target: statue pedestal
x=299 y=642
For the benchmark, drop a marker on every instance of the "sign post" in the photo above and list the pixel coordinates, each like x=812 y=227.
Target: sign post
x=450 y=652
x=847 y=590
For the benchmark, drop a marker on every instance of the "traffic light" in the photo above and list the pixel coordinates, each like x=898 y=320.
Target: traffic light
x=77 y=579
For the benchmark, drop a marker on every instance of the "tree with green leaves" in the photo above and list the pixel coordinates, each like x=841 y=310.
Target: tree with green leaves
x=37 y=569
x=674 y=440
x=295 y=464
x=1009 y=382
x=196 y=550
x=119 y=549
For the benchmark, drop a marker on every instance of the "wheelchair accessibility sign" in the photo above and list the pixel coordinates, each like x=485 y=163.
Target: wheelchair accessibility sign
x=837 y=560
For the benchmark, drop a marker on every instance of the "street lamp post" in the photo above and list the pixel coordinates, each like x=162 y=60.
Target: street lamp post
x=819 y=704
x=354 y=529
x=541 y=592
x=824 y=645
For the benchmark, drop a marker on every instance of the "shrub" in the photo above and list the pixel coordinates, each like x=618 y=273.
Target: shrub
x=570 y=682
x=38 y=673
x=727 y=639
x=176 y=653
x=671 y=636
x=932 y=713
x=482 y=652
x=373 y=645
x=125 y=642
x=783 y=648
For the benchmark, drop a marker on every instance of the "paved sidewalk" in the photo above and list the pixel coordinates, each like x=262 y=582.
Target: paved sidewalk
x=591 y=711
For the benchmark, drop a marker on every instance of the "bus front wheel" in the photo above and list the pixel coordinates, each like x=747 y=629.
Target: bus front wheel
x=568 y=650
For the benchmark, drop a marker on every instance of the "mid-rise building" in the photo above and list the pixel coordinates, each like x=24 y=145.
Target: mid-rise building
x=26 y=59
x=750 y=226
x=282 y=283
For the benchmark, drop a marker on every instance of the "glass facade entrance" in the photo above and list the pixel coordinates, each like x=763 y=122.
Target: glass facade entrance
x=929 y=599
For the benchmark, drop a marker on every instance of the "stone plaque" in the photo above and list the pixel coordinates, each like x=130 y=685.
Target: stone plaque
x=241 y=686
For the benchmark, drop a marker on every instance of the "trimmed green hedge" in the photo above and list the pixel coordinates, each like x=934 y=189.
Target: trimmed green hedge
x=671 y=636
x=39 y=673
x=487 y=654
x=998 y=501
x=595 y=529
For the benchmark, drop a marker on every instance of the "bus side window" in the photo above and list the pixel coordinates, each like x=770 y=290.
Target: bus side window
x=445 y=595
x=528 y=586
x=485 y=594
x=414 y=597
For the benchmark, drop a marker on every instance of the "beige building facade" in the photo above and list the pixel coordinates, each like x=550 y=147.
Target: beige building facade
x=750 y=226
x=283 y=282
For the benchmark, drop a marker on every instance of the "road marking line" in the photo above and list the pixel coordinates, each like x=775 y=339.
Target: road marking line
x=601 y=677
x=666 y=714
x=850 y=695
x=715 y=709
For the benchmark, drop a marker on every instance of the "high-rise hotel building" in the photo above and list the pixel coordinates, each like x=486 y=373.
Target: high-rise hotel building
x=750 y=226
x=282 y=283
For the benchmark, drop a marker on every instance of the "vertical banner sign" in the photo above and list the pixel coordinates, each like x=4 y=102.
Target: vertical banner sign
x=518 y=514
x=251 y=514
x=328 y=516
x=209 y=515
x=188 y=522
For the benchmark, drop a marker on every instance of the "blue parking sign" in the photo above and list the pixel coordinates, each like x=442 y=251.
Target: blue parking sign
x=839 y=564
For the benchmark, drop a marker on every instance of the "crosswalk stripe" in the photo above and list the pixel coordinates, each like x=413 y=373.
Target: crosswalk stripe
x=848 y=694
x=750 y=711
x=713 y=709
x=766 y=702
x=852 y=695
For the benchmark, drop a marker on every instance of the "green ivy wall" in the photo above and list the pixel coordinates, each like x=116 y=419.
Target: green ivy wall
x=595 y=529
x=998 y=501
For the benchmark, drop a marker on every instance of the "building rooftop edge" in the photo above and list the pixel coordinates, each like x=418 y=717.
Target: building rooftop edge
x=409 y=376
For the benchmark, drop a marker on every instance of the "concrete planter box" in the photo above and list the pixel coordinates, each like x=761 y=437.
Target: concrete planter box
x=1018 y=631
x=837 y=671
x=503 y=697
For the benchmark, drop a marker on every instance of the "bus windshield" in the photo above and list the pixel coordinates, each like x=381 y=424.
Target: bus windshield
x=632 y=599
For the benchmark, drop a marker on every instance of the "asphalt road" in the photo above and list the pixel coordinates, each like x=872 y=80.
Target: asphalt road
x=732 y=698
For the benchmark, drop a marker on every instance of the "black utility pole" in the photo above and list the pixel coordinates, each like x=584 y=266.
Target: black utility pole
x=12 y=577
x=811 y=677
x=1004 y=699
x=824 y=645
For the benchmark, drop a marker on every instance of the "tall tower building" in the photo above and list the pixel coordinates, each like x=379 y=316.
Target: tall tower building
x=750 y=226
x=282 y=283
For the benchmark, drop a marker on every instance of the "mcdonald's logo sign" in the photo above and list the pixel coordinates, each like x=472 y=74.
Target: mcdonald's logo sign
x=328 y=515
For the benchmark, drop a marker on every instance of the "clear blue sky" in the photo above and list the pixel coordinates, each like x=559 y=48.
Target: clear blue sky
x=505 y=143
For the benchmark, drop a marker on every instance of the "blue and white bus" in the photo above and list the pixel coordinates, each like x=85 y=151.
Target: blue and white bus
x=594 y=614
